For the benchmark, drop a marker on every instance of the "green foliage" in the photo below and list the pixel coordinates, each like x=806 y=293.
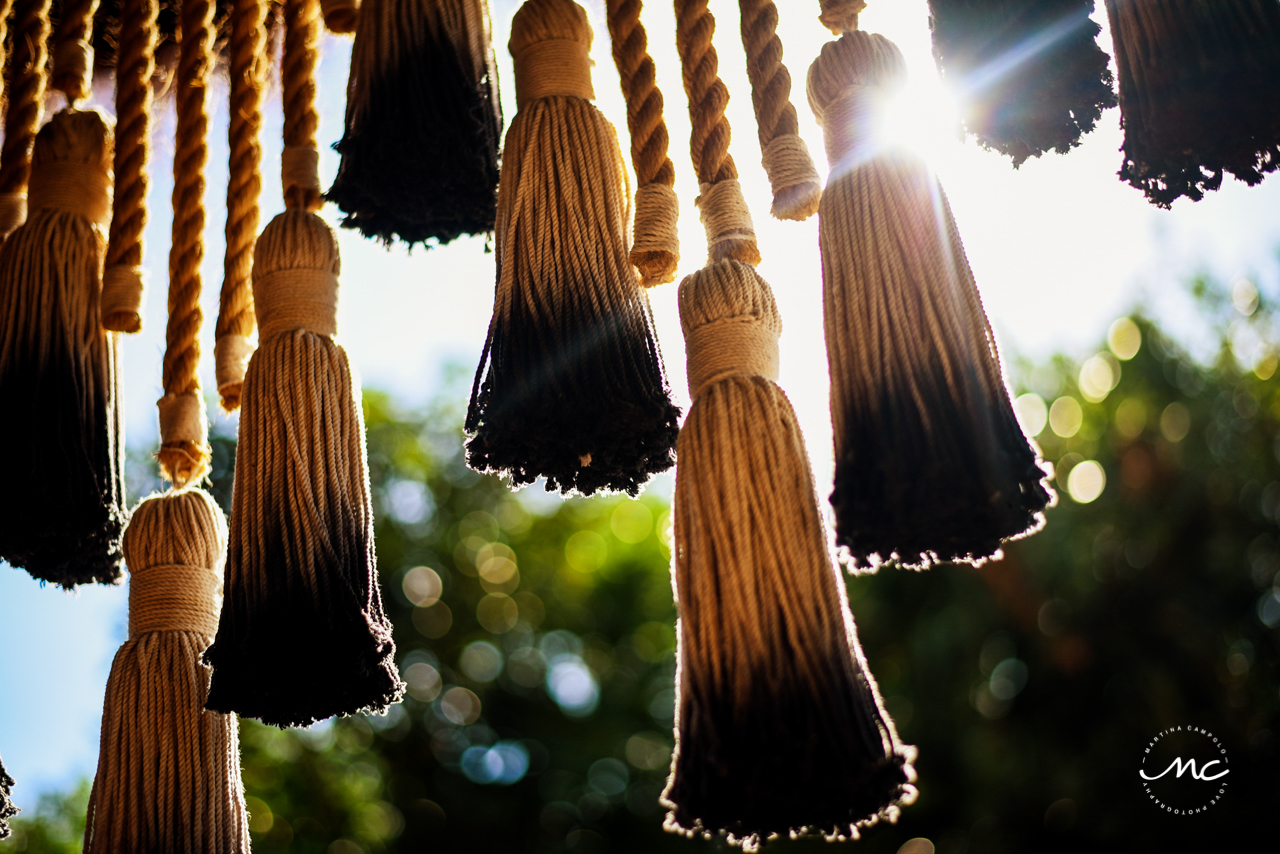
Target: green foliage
x=56 y=826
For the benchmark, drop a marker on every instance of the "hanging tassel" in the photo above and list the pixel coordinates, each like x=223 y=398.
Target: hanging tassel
x=420 y=151
x=1030 y=75
x=779 y=725
x=123 y=280
x=232 y=347
x=302 y=584
x=168 y=772
x=792 y=175
x=931 y=464
x=63 y=505
x=7 y=809
x=340 y=16
x=571 y=384
x=1199 y=93
x=655 y=247
x=24 y=108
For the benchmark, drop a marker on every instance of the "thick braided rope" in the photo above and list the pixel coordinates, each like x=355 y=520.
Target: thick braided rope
x=235 y=311
x=656 y=247
x=135 y=66
x=724 y=213
x=184 y=451
x=73 y=54
x=795 y=181
x=26 y=93
x=841 y=16
x=298 y=82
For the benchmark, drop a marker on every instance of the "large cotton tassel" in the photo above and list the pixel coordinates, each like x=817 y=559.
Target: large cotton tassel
x=1199 y=93
x=303 y=634
x=168 y=771
x=62 y=508
x=1030 y=75
x=931 y=464
x=571 y=383
x=420 y=151
x=780 y=728
x=7 y=809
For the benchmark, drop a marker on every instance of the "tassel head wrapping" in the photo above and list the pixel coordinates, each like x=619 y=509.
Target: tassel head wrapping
x=931 y=464
x=168 y=772
x=423 y=123
x=63 y=505
x=779 y=725
x=571 y=384
x=302 y=635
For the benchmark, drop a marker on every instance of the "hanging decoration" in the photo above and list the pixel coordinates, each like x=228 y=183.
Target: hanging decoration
x=420 y=149
x=796 y=185
x=931 y=464
x=123 y=282
x=63 y=504
x=571 y=384
x=1199 y=93
x=232 y=347
x=1030 y=76
x=302 y=635
x=779 y=725
x=655 y=246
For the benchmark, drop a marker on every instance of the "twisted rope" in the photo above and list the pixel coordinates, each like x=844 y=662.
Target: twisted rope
x=841 y=16
x=795 y=181
x=26 y=92
x=73 y=55
x=184 y=457
x=235 y=311
x=724 y=214
x=298 y=81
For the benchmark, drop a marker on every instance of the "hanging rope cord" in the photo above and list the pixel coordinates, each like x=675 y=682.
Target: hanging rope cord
x=184 y=449
x=655 y=248
x=122 y=284
x=73 y=54
x=730 y=233
x=841 y=16
x=796 y=185
x=235 y=311
x=25 y=101
x=300 y=161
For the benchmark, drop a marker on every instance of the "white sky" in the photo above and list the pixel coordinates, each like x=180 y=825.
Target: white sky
x=1059 y=249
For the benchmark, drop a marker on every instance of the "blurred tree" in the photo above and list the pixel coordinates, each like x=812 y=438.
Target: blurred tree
x=537 y=637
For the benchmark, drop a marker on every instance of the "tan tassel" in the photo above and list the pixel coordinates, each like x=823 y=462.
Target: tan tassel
x=168 y=772
x=124 y=281
x=302 y=581
x=796 y=185
x=655 y=247
x=236 y=321
x=931 y=464
x=779 y=725
x=570 y=384
x=63 y=507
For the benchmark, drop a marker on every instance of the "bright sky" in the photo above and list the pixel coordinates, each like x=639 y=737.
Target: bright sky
x=1059 y=249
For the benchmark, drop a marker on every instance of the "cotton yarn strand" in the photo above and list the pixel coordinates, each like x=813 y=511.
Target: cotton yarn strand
x=571 y=384
x=931 y=464
x=796 y=185
x=302 y=582
x=24 y=99
x=236 y=320
x=168 y=775
x=423 y=123
x=123 y=280
x=655 y=248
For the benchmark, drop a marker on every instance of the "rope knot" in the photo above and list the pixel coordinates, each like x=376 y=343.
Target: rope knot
x=731 y=324
x=551 y=48
x=841 y=16
x=847 y=83
x=295 y=276
x=71 y=166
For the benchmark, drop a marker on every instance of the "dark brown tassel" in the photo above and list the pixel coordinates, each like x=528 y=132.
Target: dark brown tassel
x=931 y=464
x=1199 y=93
x=571 y=384
x=7 y=809
x=1030 y=74
x=420 y=150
